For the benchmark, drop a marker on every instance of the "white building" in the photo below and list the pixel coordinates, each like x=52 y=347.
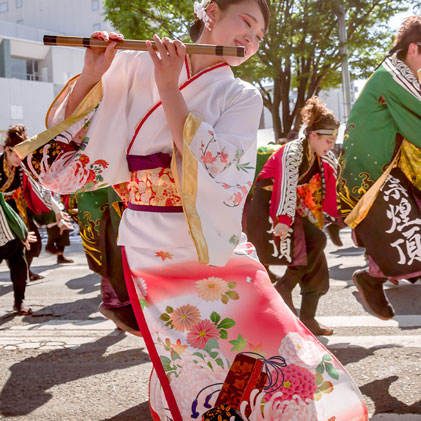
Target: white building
x=70 y=17
x=31 y=74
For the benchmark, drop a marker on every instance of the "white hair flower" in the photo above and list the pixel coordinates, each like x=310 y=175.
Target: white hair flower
x=200 y=12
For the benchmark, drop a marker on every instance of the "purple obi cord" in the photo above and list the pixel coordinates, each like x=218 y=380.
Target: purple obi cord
x=149 y=162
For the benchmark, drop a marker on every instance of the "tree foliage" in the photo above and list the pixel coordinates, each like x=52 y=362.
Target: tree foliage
x=300 y=54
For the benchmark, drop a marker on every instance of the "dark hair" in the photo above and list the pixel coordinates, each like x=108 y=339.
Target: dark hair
x=197 y=28
x=317 y=116
x=409 y=32
x=15 y=135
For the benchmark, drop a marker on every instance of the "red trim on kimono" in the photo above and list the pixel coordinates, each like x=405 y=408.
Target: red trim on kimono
x=274 y=169
x=33 y=201
x=283 y=219
x=159 y=103
x=330 y=204
x=146 y=334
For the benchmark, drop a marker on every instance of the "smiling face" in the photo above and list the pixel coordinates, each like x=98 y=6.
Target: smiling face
x=240 y=24
x=321 y=144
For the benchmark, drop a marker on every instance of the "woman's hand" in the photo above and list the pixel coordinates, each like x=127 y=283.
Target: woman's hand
x=98 y=60
x=31 y=238
x=281 y=230
x=168 y=63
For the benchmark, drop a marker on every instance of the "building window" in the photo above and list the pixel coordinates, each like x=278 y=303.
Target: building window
x=19 y=21
x=4 y=7
x=95 y=5
x=96 y=27
x=26 y=69
x=18 y=4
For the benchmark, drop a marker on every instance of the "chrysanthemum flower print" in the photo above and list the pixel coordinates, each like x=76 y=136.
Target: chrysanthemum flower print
x=211 y=289
x=200 y=334
x=184 y=317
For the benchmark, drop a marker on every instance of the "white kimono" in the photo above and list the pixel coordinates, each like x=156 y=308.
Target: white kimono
x=222 y=149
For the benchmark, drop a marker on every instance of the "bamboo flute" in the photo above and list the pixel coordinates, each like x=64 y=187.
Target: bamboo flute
x=129 y=44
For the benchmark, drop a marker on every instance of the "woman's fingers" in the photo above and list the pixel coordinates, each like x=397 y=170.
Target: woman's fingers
x=169 y=45
x=110 y=51
x=152 y=53
x=160 y=47
x=116 y=36
x=101 y=35
x=180 y=48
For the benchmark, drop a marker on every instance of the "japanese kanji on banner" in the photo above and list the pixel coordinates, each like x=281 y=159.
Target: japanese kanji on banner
x=394 y=235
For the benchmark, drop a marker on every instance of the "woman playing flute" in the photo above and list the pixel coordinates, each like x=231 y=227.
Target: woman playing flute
x=176 y=137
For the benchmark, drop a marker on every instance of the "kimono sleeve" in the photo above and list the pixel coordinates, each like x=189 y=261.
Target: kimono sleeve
x=39 y=199
x=406 y=113
x=218 y=166
x=87 y=150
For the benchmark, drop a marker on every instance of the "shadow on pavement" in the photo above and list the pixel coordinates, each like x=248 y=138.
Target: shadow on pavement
x=140 y=412
x=405 y=299
x=76 y=310
x=30 y=379
x=340 y=273
x=86 y=284
x=385 y=402
x=355 y=353
x=348 y=251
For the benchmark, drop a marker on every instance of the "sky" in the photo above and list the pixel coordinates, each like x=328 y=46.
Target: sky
x=394 y=24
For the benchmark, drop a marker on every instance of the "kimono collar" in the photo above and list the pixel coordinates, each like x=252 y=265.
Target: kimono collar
x=403 y=75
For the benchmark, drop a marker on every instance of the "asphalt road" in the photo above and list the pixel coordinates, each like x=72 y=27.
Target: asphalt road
x=65 y=362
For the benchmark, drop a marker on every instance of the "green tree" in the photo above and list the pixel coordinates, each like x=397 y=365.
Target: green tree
x=141 y=19
x=300 y=54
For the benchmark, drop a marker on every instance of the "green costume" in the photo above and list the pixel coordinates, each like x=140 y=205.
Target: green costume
x=14 y=222
x=379 y=184
x=98 y=218
x=388 y=108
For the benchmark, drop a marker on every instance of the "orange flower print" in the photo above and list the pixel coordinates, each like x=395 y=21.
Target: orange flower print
x=164 y=255
x=178 y=347
x=184 y=317
x=208 y=158
x=200 y=334
x=102 y=163
x=91 y=176
x=211 y=289
x=84 y=159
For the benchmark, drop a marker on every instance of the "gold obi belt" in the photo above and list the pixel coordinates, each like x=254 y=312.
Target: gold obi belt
x=152 y=186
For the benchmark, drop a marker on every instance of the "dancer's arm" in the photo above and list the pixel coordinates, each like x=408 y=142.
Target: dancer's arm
x=97 y=62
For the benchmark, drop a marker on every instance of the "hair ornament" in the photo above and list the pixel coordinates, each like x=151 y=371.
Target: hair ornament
x=200 y=12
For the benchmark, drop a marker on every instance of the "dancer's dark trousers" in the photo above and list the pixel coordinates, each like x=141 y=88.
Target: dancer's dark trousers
x=13 y=253
x=313 y=278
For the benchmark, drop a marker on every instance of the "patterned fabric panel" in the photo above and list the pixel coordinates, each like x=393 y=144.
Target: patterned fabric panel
x=154 y=187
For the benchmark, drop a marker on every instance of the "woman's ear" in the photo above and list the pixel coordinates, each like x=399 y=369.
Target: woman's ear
x=213 y=11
